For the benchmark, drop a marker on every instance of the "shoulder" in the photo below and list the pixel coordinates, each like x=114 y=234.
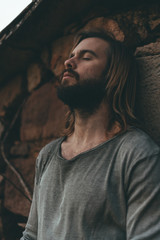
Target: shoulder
x=136 y=141
x=139 y=157
x=50 y=147
x=47 y=152
x=137 y=148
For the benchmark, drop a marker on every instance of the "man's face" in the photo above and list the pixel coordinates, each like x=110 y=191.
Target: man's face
x=87 y=61
x=82 y=85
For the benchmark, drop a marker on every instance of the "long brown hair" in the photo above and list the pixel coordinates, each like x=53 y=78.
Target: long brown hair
x=121 y=78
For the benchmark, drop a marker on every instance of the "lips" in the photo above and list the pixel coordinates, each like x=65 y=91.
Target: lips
x=67 y=74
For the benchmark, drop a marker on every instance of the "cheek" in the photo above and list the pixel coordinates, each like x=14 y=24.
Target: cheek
x=95 y=72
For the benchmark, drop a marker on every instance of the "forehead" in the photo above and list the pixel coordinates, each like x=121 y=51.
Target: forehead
x=95 y=44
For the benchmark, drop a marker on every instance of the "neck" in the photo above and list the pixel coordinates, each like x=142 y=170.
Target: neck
x=92 y=128
x=89 y=132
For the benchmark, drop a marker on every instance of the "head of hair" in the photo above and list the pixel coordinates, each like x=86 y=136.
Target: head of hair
x=121 y=79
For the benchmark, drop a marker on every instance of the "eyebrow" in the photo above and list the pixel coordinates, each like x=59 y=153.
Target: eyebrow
x=82 y=52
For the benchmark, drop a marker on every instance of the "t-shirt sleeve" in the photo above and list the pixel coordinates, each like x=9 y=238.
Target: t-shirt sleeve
x=143 y=199
x=45 y=155
x=30 y=232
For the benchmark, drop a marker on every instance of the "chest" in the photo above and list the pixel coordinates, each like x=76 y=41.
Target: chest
x=81 y=197
x=69 y=151
x=81 y=186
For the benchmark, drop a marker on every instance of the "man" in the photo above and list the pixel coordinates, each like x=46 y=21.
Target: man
x=101 y=180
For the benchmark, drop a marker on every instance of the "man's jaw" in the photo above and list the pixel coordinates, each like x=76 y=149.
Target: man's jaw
x=84 y=96
x=67 y=78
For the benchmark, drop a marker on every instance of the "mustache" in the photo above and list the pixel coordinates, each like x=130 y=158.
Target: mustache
x=72 y=72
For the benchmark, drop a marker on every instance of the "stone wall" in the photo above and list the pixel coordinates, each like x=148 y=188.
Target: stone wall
x=31 y=115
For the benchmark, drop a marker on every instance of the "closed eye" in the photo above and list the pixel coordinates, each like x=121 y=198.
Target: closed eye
x=86 y=58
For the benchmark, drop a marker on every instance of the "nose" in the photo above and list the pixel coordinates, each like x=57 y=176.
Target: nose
x=70 y=63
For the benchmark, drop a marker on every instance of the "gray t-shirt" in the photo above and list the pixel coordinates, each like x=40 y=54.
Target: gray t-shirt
x=110 y=192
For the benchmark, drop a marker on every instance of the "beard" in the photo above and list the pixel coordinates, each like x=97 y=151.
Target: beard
x=85 y=96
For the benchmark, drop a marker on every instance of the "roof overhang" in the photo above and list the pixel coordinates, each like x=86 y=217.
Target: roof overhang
x=42 y=22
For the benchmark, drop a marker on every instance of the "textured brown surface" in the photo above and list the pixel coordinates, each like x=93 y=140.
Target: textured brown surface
x=9 y=93
x=2 y=128
x=43 y=114
x=148 y=50
x=149 y=94
x=13 y=199
x=108 y=25
x=60 y=52
x=34 y=76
